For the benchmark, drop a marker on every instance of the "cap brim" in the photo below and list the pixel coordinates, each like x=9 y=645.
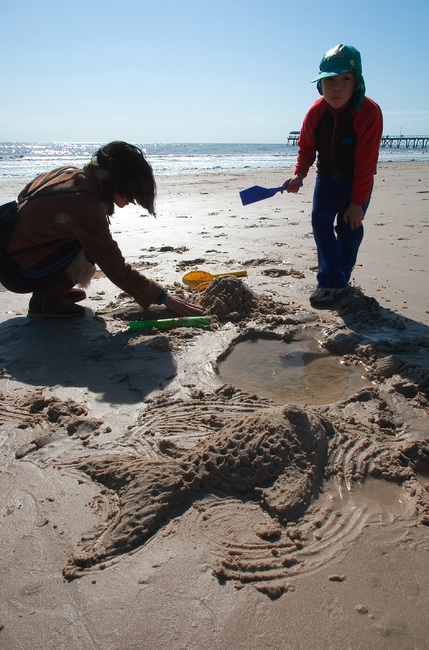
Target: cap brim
x=333 y=73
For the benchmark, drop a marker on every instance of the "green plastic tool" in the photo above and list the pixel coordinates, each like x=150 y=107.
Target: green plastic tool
x=170 y=323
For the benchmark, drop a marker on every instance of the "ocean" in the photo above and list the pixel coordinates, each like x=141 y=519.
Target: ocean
x=27 y=159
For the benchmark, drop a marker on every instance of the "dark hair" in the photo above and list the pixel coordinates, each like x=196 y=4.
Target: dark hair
x=124 y=170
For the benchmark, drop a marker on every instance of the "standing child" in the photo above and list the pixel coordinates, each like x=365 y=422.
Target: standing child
x=344 y=127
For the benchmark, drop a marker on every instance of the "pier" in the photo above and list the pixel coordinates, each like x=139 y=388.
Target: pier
x=293 y=137
x=407 y=141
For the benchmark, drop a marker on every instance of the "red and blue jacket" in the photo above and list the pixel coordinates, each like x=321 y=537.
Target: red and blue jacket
x=347 y=143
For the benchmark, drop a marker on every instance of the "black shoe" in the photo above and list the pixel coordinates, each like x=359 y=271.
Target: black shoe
x=74 y=295
x=57 y=308
x=328 y=294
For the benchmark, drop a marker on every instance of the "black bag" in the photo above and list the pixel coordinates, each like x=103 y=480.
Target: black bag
x=8 y=215
x=9 y=211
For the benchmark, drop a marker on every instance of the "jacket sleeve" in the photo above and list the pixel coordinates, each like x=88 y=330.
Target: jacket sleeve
x=92 y=230
x=306 y=141
x=368 y=124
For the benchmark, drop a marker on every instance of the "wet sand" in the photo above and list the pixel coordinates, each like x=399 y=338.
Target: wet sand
x=147 y=504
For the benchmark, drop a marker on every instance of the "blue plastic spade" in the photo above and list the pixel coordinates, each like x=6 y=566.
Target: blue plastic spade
x=258 y=193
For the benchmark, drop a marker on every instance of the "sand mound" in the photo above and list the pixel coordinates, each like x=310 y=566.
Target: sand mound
x=230 y=299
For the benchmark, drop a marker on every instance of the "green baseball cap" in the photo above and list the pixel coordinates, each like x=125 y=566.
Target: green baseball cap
x=339 y=60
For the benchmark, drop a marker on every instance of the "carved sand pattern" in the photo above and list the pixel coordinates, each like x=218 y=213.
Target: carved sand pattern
x=254 y=478
x=10 y=411
x=264 y=489
x=46 y=418
x=274 y=456
x=256 y=550
x=165 y=421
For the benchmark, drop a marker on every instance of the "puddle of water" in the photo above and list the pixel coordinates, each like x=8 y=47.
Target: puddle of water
x=299 y=372
x=374 y=496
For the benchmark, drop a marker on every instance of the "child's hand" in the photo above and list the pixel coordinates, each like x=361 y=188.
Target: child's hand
x=292 y=185
x=354 y=216
x=181 y=307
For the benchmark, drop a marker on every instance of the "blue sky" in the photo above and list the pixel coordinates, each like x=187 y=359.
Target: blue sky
x=199 y=70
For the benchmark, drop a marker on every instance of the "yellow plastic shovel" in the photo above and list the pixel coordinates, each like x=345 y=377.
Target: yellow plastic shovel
x=200 y=279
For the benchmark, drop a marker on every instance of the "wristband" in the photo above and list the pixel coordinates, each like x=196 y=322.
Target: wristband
x=163 y=297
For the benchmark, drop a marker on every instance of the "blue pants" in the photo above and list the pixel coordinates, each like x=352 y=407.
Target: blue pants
x=49 y=276
x=337 y=245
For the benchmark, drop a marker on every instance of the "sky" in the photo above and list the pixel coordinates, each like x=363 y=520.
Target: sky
x=199 y=70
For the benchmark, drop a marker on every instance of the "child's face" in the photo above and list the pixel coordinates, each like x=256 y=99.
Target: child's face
x=119 y=200
x=339 y=90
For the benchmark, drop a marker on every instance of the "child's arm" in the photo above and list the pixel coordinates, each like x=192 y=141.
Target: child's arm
x=182 y=307
x=369 y=128
x=368 y=124
x=293 y=184
x=306 y=147
x=354 y=216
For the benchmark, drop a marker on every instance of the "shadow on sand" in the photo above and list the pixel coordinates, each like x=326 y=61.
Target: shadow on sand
x=83 y=353
x=382 y=333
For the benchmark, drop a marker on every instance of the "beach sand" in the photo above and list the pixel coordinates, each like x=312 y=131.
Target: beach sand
x=147 y=503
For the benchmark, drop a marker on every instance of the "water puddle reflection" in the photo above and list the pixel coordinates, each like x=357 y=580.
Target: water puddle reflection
x=299 y=371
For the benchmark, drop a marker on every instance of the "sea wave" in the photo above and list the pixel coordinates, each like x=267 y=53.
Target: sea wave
x=27 y=159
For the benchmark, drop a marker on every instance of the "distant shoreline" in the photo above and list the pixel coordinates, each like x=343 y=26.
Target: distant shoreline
x=20 y=161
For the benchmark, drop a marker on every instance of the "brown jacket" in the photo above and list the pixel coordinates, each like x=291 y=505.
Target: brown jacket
x=48 y=223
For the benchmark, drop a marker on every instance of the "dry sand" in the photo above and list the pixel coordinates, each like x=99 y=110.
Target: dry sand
x=146 y=504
